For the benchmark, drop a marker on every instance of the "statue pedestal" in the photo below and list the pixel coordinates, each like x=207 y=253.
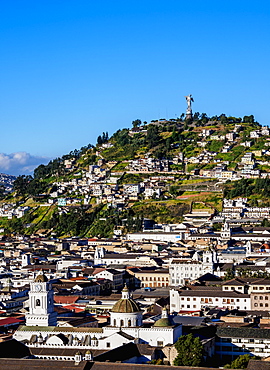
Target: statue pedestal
x=189 y=114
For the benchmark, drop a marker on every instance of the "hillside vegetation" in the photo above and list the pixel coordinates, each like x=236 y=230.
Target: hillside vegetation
x=187 y=147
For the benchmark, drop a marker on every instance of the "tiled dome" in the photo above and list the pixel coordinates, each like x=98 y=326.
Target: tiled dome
x=125 y=306
x=41 y=278
x=165 y=321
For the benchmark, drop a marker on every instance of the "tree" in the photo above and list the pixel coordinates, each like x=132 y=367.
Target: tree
x=229 y=274
x=136 y=123
x=196 y=116
x=248 y=119
x=152 y=136
x=240 y=362
x=21 y=183
x=190 y=351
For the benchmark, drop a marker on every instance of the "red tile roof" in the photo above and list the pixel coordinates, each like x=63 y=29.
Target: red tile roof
x=65 y=299
x=9 y=321
x=75 y=308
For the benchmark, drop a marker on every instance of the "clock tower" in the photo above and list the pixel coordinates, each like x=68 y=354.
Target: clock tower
x=41 y=305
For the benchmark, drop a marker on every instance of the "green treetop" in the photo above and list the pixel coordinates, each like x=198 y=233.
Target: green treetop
x=190 y=351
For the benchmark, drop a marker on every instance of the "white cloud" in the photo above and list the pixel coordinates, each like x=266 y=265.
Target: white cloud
x=20 y=163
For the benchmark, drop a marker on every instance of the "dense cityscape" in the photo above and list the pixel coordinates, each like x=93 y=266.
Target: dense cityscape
x=134 y=185
x=125 y=288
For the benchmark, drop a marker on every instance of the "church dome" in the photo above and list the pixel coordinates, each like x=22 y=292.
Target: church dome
x=41 y=278
x=165 y=321
x=125 y=304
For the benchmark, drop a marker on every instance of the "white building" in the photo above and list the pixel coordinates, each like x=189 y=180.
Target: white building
x=185 y=270
x=195 y=300
x=125 y=325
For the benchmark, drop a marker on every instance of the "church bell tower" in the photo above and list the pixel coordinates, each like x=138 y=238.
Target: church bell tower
x=41 y=305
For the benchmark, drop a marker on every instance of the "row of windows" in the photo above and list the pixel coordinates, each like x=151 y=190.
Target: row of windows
x=189 y=268
x=155 y=284
x=199 y=307
x=122 y=322
x=210 y=300
x=188 y=306
x=241 y=340
x=260 y=305
x=185 y=275
x=253 y=288
x=261 y=297
x=154 y=278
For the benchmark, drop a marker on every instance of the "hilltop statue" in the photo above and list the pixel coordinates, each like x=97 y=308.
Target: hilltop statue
x=189 y=99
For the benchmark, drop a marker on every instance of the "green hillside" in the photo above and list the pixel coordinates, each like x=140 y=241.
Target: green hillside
x=178 y=150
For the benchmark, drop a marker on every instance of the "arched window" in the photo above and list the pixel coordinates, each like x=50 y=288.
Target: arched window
x=129 y=322
x=122 y=323
x=38 y=302
x=114 y=322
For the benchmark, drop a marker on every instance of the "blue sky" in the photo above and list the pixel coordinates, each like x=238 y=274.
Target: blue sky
x=70 y=70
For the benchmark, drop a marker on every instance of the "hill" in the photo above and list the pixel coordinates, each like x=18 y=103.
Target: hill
x=157 y=170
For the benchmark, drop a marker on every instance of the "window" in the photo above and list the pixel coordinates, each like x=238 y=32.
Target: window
x=38 y=302
x=108 y=345
x=255 y=304
x=261 y=297
x=160 y=343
